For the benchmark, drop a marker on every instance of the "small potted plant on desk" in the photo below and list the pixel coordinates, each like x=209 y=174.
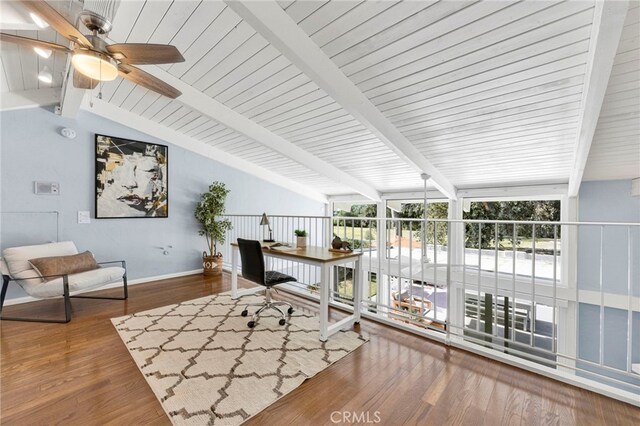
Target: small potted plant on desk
x=301 y=238
x=211 y=207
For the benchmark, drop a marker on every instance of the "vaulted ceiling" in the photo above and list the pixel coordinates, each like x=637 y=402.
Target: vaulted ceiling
x=488 y=93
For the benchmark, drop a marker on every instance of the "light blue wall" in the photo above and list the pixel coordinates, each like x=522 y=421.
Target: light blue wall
x=608 y=201
x=32 y=149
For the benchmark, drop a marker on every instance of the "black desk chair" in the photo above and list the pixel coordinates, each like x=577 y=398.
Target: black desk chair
x=253 y=270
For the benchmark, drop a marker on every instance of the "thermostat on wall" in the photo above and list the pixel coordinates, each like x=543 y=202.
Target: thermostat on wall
x=47 y=188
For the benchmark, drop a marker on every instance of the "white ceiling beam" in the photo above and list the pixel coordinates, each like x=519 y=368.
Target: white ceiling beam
x=71 y=97
x=198 y=101
x=151 y=128
x=273 y=23
x=608 y=21
x=29 y=99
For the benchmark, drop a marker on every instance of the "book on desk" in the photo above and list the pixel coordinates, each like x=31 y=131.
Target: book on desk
x=280 y=247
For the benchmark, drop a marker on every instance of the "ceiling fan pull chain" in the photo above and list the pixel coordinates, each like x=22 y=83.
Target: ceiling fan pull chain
x=101 y=83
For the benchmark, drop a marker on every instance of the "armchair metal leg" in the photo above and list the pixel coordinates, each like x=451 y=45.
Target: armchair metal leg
x=67 y=305
x=124 y=281
x=124 y=297
x=5 y=285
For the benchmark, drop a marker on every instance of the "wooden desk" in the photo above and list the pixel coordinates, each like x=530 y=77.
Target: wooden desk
x=325 y=260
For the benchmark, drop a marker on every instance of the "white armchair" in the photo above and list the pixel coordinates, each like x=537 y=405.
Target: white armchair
x=17 y=269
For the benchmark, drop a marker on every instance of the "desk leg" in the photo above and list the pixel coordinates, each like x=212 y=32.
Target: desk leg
x=325 y=284
x=357 y=291
x=234 y=272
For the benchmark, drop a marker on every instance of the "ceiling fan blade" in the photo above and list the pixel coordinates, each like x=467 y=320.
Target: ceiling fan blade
x=30 y=42
x=56 y=21
x=81 y=81
x=144 y=79
x=142 y=53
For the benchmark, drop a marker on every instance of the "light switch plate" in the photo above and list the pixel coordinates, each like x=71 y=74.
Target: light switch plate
x=84 y=216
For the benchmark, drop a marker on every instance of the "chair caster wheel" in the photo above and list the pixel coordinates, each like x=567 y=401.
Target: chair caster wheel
x=282 y=322
x=244 y=313
x=251 y=324
x=290 y=311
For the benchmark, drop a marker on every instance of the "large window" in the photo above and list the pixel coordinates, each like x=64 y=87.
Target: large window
x=511 y=245
x=349 y=225
x=405 y=236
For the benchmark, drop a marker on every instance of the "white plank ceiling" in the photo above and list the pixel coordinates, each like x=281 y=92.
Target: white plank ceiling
x=489 y=92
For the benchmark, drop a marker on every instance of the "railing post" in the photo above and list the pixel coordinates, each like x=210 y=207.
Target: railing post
x=450 y=318
x=383 y=278
x=567 y=335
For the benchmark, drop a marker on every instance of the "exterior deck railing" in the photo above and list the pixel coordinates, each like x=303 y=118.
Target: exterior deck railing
x=558 y=298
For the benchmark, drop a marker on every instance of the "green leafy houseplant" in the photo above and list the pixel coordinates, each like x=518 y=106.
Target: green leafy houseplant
x=208 y=211
x=301 y=238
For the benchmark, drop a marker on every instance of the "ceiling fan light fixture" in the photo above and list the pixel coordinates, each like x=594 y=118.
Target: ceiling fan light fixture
x=38 y=20
x=45 y=75
x=94 y=65
x=45 y=53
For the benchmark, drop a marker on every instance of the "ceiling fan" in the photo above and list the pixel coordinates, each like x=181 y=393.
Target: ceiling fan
x=92 y=58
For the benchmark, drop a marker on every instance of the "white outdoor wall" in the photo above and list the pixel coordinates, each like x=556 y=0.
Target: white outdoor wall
x=33 y=149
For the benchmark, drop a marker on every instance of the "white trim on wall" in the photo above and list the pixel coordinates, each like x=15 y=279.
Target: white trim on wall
x=610 y=300
x=502 y=193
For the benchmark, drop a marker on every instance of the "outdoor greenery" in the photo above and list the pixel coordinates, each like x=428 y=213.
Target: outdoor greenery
x=356 y=243
x=510 y=210
x=434 y=211
x=541 y=210
x=207 y=213
x=345 y=284
x=357 y=210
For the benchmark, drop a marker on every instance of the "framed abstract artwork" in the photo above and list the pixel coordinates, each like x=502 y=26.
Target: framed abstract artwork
x=132 y=179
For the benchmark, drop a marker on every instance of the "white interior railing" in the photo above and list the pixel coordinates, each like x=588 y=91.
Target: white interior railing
x=558 y=298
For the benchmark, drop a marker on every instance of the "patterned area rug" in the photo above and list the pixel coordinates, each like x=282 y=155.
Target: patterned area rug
x=207 y=367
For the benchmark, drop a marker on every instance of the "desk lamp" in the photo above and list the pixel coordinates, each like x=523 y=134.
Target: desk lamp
x=265 y=222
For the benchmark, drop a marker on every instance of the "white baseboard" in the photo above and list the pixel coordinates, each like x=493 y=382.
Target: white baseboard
x=27 y=299
x=160 y=277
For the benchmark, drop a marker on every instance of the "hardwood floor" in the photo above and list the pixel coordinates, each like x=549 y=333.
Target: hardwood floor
x=81 y=373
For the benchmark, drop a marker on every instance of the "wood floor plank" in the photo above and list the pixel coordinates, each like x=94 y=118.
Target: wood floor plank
x=81 y=373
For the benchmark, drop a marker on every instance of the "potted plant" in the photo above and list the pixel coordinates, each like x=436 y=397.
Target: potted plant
x=214 y=229
x=301 y=238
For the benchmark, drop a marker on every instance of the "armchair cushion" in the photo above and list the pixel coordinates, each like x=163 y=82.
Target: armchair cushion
x=60 y=265
x=17 y=258
x=79 y=282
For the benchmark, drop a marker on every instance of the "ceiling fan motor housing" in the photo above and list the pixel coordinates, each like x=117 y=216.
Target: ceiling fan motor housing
x=99 y=45
x=95 y=22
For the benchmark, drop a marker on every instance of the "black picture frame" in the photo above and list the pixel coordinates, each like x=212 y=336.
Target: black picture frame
x=108 y=189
